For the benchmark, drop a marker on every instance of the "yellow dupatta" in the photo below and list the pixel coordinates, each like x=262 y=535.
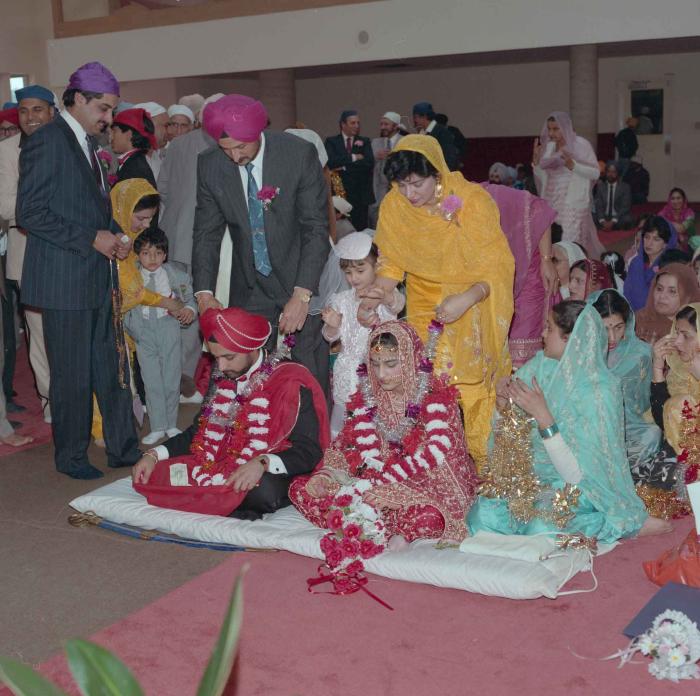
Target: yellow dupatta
x=437 y=258
x=682 y=386
x=125 y=196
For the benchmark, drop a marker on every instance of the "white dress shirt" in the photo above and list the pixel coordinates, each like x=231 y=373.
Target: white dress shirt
x=79 y=131
x=162 y=287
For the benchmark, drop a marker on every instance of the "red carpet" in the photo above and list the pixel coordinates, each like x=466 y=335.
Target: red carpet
x=436 y=642
x=32 y=419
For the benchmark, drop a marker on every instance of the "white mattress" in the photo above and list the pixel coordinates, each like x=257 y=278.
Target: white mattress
x=287 y=530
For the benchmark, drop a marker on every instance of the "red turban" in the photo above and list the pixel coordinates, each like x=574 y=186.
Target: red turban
x=133 y=118
x=10 y=115
x=235 y=329
x=237 y=116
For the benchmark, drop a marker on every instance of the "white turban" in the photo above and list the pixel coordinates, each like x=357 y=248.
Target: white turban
x=181 y=110
x=192 y=101
x=354 y=246
x=153 y=108
x=209 y=100
x=314 y=138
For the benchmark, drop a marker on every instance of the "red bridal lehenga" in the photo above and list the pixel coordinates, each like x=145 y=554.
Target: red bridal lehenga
x=406 y=455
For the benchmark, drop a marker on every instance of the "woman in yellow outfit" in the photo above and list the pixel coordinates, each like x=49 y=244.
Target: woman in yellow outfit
x=134 y=203
x=441 y=234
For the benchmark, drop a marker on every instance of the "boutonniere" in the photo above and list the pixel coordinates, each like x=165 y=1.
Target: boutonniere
x=450 y=207
x=267 y=194
x=105 y=160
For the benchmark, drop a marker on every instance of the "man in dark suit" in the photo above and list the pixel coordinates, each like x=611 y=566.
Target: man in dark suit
x=425 y=123
x=613 y=201
x=269 y=189
x=351 y=155
x=70 y=270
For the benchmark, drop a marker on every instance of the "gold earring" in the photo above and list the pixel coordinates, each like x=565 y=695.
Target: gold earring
x=438 y=188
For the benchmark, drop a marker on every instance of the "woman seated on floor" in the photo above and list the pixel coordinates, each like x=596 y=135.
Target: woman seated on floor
x=588 y=276
x=657 y=237
x=675 y=381
x=564 y=256
x=402 y=448
x=571 y=471
x=629 y=359
x=675 y=285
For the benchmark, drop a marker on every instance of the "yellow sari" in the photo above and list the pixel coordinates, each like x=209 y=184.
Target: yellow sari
x=682 y=386
x=125 y=196
x=438 y=258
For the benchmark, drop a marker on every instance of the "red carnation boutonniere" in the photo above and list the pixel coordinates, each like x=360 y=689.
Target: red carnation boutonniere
x=267 y=194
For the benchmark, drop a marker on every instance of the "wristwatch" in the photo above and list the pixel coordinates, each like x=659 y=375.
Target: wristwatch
x=304 y=295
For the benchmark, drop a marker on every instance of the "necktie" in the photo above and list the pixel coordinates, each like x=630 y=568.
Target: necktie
x=97 y=171
x=151 y=285
x=609 y=210
x=348 y=145
x=257 y=226
x=388 y=143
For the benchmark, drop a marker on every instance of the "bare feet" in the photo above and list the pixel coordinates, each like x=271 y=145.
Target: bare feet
x=655 y=525
x=16 y=440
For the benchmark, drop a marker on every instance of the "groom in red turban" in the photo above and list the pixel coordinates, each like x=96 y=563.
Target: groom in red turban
x=264 y=422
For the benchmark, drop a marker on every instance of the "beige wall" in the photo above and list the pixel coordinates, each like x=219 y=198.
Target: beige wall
x=24 y=31
x=395 y=29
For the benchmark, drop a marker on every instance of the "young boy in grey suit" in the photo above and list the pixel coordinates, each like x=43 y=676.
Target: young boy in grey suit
x=157 y=333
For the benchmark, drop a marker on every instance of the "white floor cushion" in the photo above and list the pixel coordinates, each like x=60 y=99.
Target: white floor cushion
x=287 y=530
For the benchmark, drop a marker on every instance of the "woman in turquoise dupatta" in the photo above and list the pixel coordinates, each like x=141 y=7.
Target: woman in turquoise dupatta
x=576 y=402
x=629 y=359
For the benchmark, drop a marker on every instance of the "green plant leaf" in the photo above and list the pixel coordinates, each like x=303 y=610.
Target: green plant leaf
x=98 y=672
x=221 y=661
x=24 y=681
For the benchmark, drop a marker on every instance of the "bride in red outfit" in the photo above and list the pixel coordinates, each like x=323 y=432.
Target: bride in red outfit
x=401 y=456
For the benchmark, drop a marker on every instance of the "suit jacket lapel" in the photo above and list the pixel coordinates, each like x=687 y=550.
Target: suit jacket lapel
x=83 y=165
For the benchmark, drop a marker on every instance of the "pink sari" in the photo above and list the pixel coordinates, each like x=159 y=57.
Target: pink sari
x=430 y=503
x=524 y=219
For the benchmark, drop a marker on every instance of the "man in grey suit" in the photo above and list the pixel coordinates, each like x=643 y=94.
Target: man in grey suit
x=177 y=186
x=613 y=201
x=389 y=135
x=70 y=272
x=269 y=189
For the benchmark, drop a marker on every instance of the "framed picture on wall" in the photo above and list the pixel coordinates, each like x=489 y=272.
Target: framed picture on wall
x=647 y=106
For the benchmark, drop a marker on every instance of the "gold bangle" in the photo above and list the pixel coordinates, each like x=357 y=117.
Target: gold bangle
x=547 y=258
x=151 y=453
x=484 y=294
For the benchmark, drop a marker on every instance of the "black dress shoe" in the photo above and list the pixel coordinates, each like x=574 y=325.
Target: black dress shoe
x=86 y=471
x=13 y=407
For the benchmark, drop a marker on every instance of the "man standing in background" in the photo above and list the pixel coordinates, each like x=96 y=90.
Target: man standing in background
x=36 y=108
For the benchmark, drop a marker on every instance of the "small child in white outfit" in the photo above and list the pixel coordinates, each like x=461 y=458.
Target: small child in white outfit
x=358 y=258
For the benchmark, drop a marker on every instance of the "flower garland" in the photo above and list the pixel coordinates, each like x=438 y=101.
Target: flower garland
x=237 y=418
x=673 y=643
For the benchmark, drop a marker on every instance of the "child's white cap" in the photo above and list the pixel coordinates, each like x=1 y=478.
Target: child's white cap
x=341 y=205
x=354 y=246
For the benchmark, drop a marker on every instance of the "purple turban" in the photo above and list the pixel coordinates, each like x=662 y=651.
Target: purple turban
x=236 y=115
x=94 y=77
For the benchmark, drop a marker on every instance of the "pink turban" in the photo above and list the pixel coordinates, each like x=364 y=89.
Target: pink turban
x=237 y=116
